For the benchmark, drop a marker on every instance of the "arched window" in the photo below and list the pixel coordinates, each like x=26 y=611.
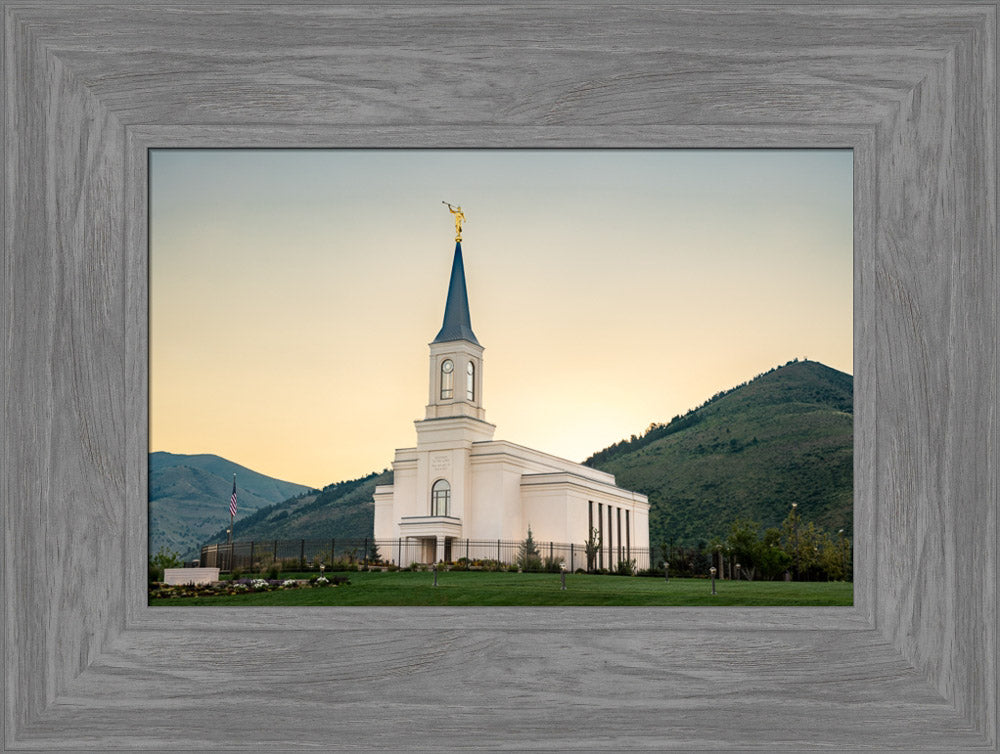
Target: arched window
x=440 y=498
x=447 y=379
x=470 y=382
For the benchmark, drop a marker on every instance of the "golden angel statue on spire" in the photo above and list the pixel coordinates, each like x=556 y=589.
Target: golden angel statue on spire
x=459 y=219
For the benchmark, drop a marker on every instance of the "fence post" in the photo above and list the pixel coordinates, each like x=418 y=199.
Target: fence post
x=498 y=551
x=333 y=544
x=274 y=557
x=251 y=554
x=399 y=552
x=366 y=550
x=467 y=553
x=302 y=554
x=571 y=558
x=550 y=551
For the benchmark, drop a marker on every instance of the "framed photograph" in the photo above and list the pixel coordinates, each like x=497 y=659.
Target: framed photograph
x=90 y=89
x=697 y=303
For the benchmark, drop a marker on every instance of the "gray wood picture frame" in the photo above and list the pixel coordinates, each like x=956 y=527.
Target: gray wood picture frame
x=89 y=87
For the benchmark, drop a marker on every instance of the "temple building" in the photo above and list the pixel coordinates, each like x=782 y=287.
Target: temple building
x=460 y=489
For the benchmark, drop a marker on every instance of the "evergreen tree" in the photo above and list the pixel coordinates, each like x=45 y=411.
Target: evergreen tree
x=528 y=557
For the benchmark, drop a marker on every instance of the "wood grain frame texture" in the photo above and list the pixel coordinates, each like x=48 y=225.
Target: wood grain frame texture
x=89 y=87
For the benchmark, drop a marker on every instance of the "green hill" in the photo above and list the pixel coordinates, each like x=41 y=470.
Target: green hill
x=343 y=509
x=189 y=497
x=749 y=452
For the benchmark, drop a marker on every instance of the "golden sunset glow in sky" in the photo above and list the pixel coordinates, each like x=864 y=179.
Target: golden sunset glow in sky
x=293 y=293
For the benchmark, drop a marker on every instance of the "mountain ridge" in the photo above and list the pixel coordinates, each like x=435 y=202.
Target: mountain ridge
x=189 y=497
x=748 y=452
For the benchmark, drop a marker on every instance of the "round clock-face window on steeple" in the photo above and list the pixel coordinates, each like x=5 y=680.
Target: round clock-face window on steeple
x=447 y=379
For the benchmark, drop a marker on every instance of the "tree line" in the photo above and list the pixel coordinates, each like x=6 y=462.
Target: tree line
x=795 y=550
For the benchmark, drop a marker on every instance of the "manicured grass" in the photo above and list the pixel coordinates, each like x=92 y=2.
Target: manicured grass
x=458 y=588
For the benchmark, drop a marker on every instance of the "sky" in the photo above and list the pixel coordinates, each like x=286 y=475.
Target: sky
x=293 y=293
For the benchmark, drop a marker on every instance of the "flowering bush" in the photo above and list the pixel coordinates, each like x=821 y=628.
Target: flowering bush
x=222 y=588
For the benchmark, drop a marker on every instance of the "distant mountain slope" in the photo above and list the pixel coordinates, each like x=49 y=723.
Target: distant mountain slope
x=189 y=497
x=343 y=509
x=784 y=437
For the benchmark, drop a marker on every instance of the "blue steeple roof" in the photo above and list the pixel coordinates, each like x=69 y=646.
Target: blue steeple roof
x=457 y=324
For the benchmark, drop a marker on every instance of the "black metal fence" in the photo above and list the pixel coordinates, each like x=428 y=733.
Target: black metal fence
x=259 y=555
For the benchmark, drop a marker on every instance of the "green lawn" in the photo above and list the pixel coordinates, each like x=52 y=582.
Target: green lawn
x=457 y=588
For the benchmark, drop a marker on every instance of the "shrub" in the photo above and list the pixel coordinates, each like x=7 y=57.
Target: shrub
x=164 y=558
x=553 y=563
x=626 y=567
x=592 y=546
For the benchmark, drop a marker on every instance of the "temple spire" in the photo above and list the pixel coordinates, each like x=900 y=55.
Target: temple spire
x=457 y=324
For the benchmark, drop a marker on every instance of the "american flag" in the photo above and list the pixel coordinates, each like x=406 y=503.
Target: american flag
x=232 y=500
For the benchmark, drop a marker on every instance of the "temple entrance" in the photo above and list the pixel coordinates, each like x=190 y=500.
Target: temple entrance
x=428 y=550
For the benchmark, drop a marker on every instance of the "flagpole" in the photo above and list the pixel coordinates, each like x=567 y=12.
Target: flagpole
x=232 y=522
x=232 y=514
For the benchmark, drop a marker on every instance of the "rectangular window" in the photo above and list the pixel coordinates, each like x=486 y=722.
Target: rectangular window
x=628 y=538
x=611 y=540
x=618 y=515
x=600 y=535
